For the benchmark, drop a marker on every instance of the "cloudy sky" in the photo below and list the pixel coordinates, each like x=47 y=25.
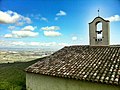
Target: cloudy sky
x=54 y=23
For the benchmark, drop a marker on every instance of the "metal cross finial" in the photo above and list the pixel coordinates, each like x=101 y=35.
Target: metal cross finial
x=98 y=12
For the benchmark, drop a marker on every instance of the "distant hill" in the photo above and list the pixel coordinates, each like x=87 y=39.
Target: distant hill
x=12 y=75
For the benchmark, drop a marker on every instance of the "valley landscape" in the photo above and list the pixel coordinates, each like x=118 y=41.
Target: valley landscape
x=13 y=63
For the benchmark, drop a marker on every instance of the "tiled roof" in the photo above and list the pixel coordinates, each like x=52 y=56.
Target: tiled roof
x=91 y=63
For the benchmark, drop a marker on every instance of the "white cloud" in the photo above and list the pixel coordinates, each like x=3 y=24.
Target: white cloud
x=56 y=18
x=63 y=44
x=48 y=44
x=11 y=27
x=74 y=38
x=22 y=34
x=12 y=43
x=29 y=28
x=27 y=31
x=34 y=43
x=19 y=23
x=52 y=33
x=19 y=43
x=114 y=18
x=10 y=17
x=44 y=19
x=8 y=36
x=61 y=13
x=53 y=44
x=51 y=28
x=27 y=19
x=39 y=17
x=37 y=44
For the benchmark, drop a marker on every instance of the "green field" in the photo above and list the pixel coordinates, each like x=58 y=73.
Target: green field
x=12 y=75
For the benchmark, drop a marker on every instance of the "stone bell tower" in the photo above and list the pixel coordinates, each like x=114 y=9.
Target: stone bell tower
x=99 y=36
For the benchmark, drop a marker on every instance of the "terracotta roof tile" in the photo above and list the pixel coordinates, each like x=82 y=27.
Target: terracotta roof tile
x=91 y=63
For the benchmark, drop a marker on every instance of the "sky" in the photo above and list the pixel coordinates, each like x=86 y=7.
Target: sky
x=54 y=23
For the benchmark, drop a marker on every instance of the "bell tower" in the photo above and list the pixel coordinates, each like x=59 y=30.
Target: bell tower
x=99 y=36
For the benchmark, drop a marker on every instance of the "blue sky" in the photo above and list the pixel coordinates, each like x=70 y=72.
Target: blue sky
x=56 y=23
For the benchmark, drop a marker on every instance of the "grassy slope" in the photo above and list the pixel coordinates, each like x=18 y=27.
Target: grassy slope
x=12 y=75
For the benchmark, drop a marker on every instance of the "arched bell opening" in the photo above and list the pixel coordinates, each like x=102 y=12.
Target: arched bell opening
x=99 y=31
